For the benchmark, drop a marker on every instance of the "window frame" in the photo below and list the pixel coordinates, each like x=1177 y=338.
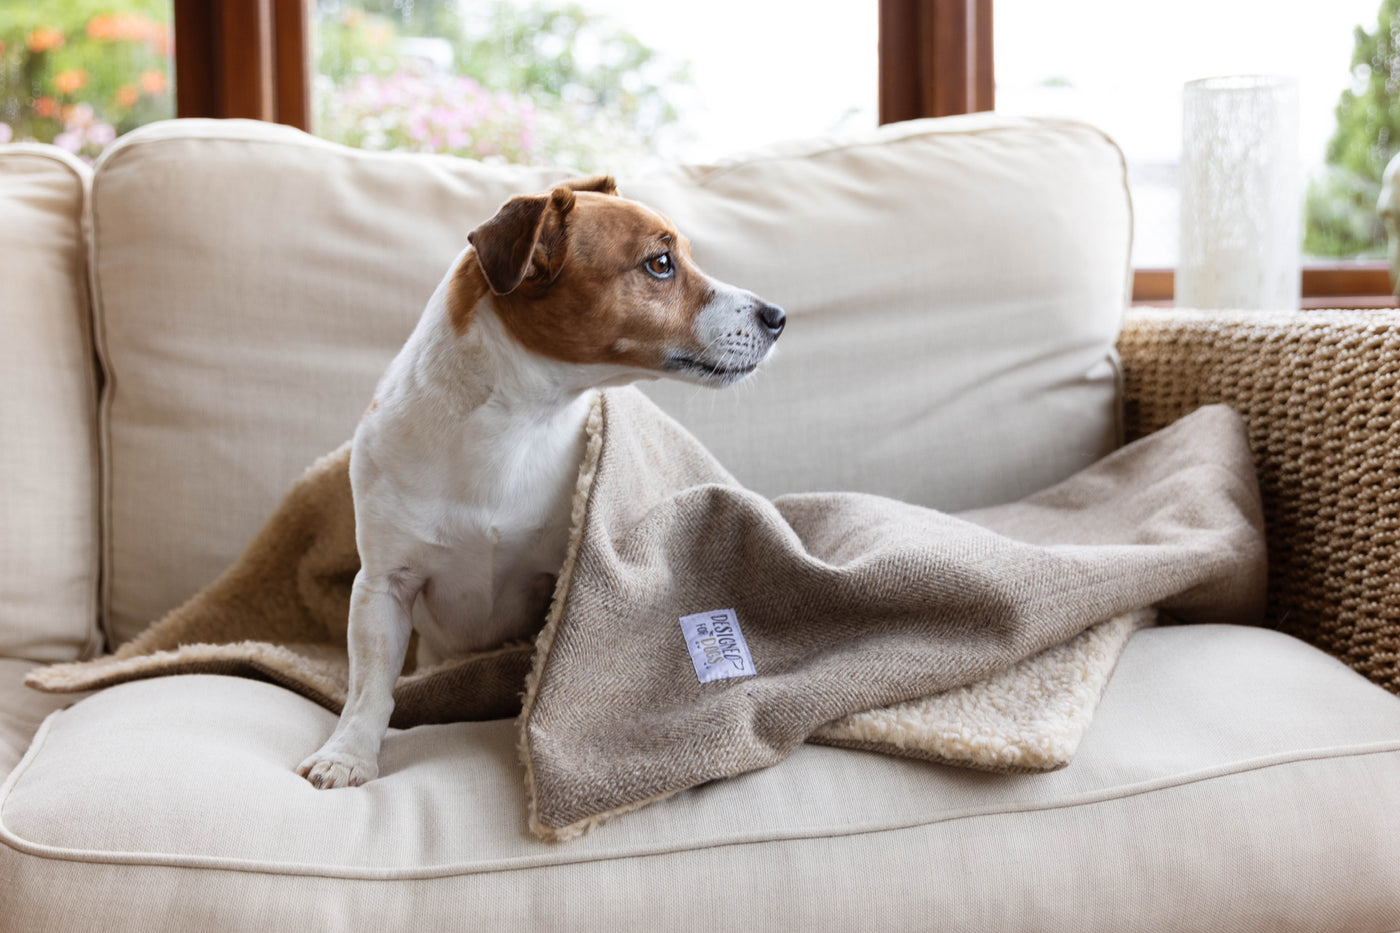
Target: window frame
x=243 y=58
x=950 y=70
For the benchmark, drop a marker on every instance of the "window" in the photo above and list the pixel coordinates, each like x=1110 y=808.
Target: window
x=1126 y=76
x=596 y=85
x=78 y=74
x=709 y=88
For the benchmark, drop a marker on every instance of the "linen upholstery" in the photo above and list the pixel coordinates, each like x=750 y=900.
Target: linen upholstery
x=246 y=313
x=48 y=458
x=1211 y=791
x=22 y=710
x=954 y=287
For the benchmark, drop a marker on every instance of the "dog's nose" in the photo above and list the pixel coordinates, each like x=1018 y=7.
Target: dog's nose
x=773 y=318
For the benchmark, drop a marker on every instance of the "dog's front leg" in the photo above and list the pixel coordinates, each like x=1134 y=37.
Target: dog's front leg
x=381 y=621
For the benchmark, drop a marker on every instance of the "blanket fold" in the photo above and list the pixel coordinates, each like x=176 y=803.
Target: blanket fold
x=982 y=639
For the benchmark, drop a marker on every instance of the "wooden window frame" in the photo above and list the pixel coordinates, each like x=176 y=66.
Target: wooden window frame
x=243 y=58
x=1357 y=284
x=936 y=60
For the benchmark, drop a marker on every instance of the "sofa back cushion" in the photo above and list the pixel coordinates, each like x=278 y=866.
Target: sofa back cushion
x=48 y=451
x=953 y=287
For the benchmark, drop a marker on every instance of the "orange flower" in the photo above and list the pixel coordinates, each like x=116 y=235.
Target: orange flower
x=101 y=28
x=70 y=81
x=126 y=27
x=127 y=95
x=44 y=39
x=153 y=82
x=45 y=107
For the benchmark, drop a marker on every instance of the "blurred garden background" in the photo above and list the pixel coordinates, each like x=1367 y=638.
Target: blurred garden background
x=527 y=82
x=616 y=85
x=78 y=73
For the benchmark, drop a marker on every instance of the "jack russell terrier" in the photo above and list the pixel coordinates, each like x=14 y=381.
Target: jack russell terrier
x=463 y=469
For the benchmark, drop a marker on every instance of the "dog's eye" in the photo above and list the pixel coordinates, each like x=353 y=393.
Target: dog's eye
x=661 y=266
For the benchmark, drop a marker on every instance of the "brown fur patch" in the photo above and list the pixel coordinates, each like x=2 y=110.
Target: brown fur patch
x=589 y=299
x=602 y=184
x=464 y=292
x=505 y=243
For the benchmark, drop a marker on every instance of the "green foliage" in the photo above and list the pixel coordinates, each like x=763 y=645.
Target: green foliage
x=351 y=43
x=530 y=82
x=527 y=82
x=568 y=56
x=410 y=17
x=80 y=72
x=1341 y=205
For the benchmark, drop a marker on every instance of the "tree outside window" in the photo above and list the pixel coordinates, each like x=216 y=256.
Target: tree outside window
x=1341 y=216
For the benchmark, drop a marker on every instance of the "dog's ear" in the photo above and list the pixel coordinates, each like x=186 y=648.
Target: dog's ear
x=602 y=184
x=527 y=237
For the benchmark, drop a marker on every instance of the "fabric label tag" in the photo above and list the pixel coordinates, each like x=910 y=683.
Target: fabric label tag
x=717 y=646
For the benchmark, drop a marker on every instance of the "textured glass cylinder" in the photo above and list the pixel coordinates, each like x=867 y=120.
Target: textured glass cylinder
x=1241 y=197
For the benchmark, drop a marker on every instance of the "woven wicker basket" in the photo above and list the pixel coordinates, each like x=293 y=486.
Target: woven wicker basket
x=1319 y=392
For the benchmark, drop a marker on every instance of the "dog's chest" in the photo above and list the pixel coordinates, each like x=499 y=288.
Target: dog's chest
x=493 y=491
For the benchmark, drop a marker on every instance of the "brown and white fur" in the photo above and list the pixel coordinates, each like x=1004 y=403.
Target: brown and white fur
x=464 y=467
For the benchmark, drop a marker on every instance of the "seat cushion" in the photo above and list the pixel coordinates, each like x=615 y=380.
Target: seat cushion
x=22 y=711
x=1233 y=778
x=956 y=350
x=48 y=401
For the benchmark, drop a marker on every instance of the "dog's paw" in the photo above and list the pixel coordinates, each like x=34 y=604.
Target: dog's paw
x=329 y=769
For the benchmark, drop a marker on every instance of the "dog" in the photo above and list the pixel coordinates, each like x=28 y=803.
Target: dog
x=463 y=469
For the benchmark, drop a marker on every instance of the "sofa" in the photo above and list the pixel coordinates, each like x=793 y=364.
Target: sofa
x=189 y=324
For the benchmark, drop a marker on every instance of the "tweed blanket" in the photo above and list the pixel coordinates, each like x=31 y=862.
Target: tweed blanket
x=699 y=630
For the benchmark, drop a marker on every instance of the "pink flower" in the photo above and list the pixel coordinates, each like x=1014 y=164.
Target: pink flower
x=7 y=133
x=71 y=141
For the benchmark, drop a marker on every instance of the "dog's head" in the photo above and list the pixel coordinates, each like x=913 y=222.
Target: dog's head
x=582 y=275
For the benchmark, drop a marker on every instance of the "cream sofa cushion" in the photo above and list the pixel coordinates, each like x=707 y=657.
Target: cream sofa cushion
x=943 y=348
x=48 y=449
x=21 y=711
x=949 y=350
x=1233 y=779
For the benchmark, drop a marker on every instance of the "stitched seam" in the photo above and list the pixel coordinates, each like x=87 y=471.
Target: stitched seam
x=1018 y=124
x=528 y=863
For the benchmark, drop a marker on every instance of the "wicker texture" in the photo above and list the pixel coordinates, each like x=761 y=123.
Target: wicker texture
x=1318 y=392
